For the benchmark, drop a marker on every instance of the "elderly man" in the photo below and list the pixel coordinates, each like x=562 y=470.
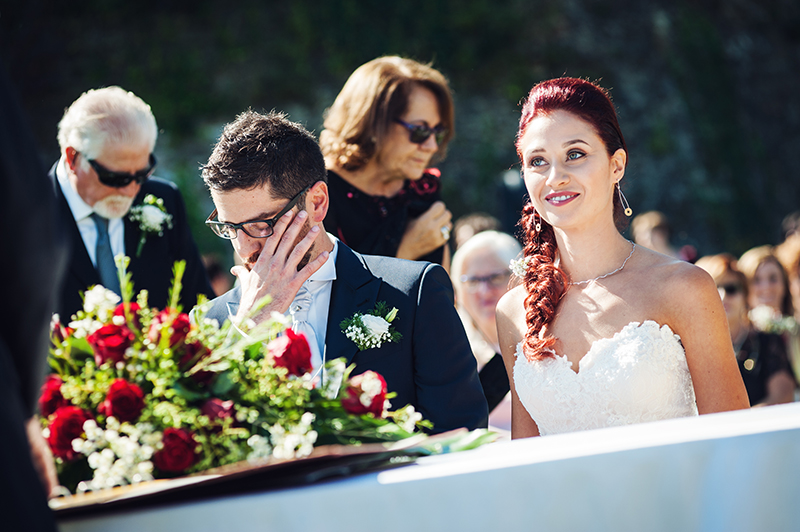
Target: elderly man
x=268 y=181
x=102 y=183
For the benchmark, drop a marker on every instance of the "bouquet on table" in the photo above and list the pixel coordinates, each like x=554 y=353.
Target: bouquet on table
x=139 y=393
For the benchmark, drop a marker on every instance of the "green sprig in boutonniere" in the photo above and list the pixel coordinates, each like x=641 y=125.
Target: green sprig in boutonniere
x=152 y=217
x=373 y=329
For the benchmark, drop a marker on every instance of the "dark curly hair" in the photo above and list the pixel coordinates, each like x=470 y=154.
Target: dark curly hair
x=545 y=283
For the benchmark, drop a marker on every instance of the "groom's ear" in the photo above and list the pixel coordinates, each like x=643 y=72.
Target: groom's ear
x=317 y=201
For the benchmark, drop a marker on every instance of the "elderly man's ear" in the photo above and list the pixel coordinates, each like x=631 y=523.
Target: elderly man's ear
x=71 y=157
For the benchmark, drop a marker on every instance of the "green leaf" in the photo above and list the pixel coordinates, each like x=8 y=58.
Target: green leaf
x=222 y=384
x=182 y=391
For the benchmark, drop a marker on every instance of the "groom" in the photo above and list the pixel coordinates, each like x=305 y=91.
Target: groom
x=268 y=181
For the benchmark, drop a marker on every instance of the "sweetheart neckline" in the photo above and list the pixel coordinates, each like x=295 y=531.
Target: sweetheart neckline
x=630 y=325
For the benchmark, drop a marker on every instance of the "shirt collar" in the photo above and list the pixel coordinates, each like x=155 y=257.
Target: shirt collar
x=79 y=208
x=328 y=270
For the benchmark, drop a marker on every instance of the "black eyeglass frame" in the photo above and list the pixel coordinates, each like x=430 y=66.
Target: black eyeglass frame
x=213 y=225
x=418 y=134
x=474 y=282
x=731 y=289
x=114 y=179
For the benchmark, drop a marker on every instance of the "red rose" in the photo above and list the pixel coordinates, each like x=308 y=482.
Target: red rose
x=130 y=312
x=124 y=401
x=109 y=342
x=372 y=386
x=179 y=451
x=195 y=351
x=66 y=426
x=51 y=398
x=218 y=410
x=291 y=351
x=180 y=326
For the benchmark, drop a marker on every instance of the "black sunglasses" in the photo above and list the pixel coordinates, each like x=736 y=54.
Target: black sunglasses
x=493 y=280
x=731 y=289
x=418 y=134
x=122 y=179
x=254 y=229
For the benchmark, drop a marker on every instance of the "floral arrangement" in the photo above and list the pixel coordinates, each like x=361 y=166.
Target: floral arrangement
x=372 y=329
x=770 y=320
x=152 y=217
x=139 y=393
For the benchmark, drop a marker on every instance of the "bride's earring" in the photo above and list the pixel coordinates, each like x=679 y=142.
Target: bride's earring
x=537 y=225
x=624 y=201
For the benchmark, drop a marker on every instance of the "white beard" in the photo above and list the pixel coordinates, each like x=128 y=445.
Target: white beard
x=115 y=206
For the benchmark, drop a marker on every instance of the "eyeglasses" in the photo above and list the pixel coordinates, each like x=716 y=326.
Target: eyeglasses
x=114 y=179
x=418 y=133
x=731 y=289
x=254 y=229
x=493 y=280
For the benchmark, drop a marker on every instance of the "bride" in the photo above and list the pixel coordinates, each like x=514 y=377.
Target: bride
x=601 y=332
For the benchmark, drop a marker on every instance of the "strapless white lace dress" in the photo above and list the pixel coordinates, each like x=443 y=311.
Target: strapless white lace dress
x=638 y=375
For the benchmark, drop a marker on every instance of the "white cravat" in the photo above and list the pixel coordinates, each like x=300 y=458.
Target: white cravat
x=83 y=218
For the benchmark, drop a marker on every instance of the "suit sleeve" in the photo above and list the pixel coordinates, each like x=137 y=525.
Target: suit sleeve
x=448 y=390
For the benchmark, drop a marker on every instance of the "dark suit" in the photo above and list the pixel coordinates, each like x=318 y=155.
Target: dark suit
x=153 y=269
x=432 y=366
x=33 y=261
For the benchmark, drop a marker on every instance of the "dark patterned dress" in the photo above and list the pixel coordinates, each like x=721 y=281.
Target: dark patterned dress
x=374 y=225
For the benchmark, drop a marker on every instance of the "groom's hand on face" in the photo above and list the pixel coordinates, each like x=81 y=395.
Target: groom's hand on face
x=275 y=272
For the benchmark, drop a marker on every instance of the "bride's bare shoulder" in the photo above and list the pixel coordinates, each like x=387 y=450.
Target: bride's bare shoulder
x=675 y=283
x=512 y=304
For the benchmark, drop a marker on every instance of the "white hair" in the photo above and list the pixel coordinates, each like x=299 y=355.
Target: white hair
x=106 y=116
x=504 y=246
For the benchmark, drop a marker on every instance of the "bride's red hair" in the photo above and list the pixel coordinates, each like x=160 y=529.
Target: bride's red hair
x=545 y=283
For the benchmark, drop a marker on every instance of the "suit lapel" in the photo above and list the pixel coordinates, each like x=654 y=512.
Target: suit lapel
x=354 y=290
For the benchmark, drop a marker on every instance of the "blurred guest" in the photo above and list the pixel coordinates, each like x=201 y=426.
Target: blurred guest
x=791 y=224
x=470 y=225
x=101 y=182
x=762 y=357
x=652 y=230
x=31 y=271
x=392 y=119
x=789 y=254
x=768 y=282
x=221 y=280
x=480 y=276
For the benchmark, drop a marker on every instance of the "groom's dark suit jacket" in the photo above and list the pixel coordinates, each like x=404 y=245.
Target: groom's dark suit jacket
x=152 y=270
x=431 y=366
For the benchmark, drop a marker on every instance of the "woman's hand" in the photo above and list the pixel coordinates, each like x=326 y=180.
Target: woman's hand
x=425 y=234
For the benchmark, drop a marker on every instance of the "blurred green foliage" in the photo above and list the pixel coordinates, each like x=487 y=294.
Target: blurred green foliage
x=703 y=87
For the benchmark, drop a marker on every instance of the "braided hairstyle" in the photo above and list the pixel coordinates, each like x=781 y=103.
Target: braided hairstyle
x=545 y=283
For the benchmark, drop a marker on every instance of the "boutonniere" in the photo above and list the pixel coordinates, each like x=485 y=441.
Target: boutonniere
x=152 y=217
x=373 y=329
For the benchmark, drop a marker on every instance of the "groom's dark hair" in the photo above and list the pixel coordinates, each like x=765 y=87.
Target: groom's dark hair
x=265 y=149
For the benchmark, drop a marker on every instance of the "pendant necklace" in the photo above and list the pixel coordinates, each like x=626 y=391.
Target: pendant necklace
x=633 y=248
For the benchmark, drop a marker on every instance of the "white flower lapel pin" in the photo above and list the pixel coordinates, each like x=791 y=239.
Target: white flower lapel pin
x=373 y=329
x=152 y=217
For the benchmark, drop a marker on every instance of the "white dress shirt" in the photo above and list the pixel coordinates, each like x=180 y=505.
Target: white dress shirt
x=82 y=214
x=320 y=285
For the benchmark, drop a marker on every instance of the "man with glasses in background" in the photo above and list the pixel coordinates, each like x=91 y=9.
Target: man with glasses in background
x=107 y=137
x=268 y=181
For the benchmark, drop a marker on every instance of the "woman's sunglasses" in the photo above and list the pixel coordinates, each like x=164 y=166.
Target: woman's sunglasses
x=114 y=179
x=418 y=133
x=731 y=289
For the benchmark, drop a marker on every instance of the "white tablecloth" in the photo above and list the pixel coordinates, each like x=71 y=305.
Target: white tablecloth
x=738 y=471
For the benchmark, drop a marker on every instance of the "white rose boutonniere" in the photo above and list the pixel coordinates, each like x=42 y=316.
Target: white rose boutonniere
x=152 y=217
x=373 y=329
